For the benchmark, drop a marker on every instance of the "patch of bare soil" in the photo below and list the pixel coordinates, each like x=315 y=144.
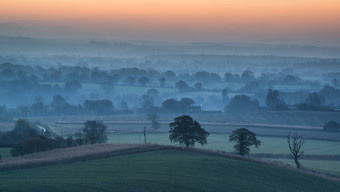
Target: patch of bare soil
x=74 y=154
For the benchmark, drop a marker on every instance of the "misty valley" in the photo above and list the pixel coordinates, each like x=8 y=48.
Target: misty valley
x=269 y=110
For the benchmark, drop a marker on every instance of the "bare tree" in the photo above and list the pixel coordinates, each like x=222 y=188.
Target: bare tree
x=295 y=144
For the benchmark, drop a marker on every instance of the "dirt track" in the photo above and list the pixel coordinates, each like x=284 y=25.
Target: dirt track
x=74 y=154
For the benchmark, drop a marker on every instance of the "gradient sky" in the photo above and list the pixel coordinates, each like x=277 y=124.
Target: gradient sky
x=264 y=21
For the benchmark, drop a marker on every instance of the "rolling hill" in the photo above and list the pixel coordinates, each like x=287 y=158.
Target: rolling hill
x=162 y=169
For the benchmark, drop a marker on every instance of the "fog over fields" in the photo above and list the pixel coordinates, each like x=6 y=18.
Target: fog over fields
x=103 y=84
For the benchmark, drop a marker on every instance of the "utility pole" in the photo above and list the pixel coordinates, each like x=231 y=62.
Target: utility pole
x=144 y=135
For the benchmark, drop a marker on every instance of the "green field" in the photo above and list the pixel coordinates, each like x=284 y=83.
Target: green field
x=221 y=142
x=5 y=152
x=323 y=166
x=269 y=145
x=167 y=170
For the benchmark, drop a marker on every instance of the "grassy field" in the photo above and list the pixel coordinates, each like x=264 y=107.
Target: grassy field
x=167 y=170
x=269 y=145
x=5 y=152
x=314 y=119
x=221 y=142
x=329 y=167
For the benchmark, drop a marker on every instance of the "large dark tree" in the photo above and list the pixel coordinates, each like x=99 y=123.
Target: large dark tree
x=244 y=139
x=295 y=144
x=95 y=132
x=186 y=132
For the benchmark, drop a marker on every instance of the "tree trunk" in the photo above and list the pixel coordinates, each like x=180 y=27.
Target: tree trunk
x=297 y=163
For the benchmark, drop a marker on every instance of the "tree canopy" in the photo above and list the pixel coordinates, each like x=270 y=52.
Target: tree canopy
x=242 y=103
x=95 y=132
x=244 y=139
x=186 y=132
x=274 y=102
x=331 y=126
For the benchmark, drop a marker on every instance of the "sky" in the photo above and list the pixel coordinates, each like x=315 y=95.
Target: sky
x=242 y=21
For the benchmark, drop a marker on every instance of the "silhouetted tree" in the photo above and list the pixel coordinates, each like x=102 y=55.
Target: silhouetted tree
x=331 y=126
x=79 y=138
x=202 y=76
x=315 y=99
x=242 y=103
x=23 y=130
x=37 y=107
x=152 y=93
x=147 y=103
x=295 y=144
x=170 y=105
x=228 y=77
x=94 y=132
x=291 y=79
x=182 y=86
x=198 y=86
x=170 y=75
x=185 y=104
x=72 y=86
x=186 y=131
x=274 y=102
x=69 y=141
x=214 y=78
x=153 y=117
x=225 y=95
x=98 y=107
x=244 y=139
x=143 y=81
x=124 y=106
x=58 y=104
x=130 y=81
x=162 y=82
x=108 y=88
x=247 y=75
x=335 y=82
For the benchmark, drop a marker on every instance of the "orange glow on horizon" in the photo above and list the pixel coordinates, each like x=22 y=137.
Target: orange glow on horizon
x=210 y=17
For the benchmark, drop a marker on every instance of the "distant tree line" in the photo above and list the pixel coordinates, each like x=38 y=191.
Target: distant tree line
x=20 y=83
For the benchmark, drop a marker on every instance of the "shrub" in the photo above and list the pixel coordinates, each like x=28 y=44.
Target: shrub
x=331 y=126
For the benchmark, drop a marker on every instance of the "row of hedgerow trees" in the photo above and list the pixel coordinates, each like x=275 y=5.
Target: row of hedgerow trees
x=183 y=130
x=25 y=139
x=187 y=132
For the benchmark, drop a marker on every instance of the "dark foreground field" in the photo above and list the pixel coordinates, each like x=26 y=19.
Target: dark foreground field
x=162 y=170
